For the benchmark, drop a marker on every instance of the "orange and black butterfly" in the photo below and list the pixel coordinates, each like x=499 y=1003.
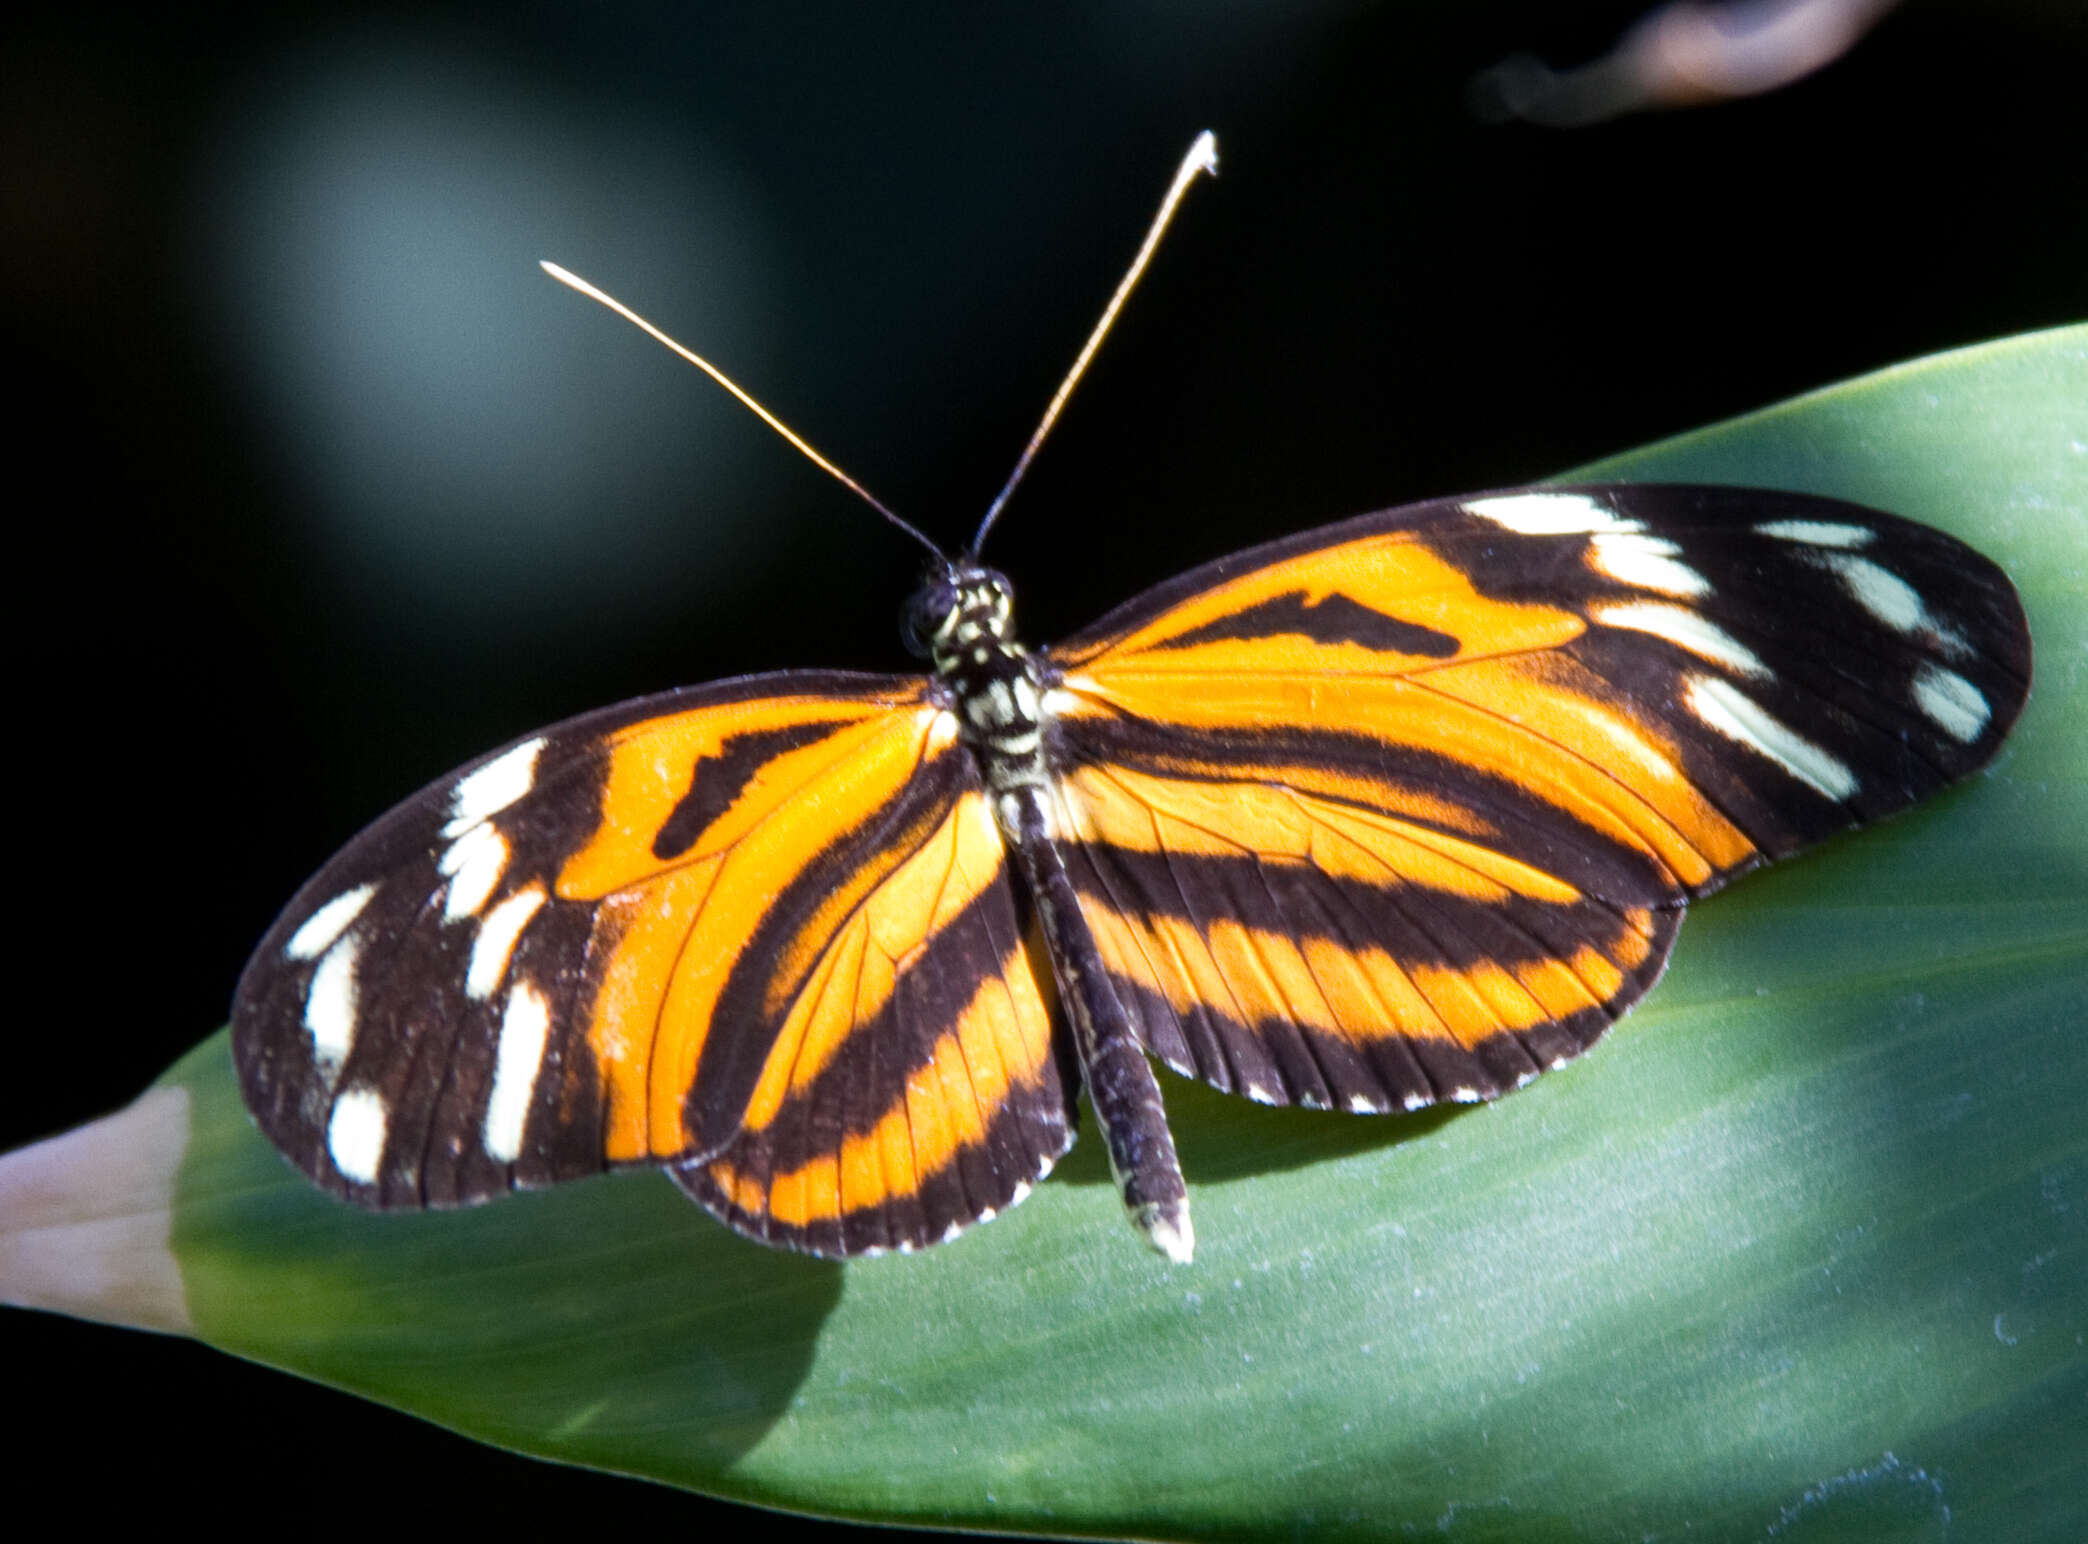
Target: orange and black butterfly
x=1401 y=810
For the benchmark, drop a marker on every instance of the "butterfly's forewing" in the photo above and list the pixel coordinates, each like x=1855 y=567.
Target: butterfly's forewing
x=729 y=927
x=1407 y=808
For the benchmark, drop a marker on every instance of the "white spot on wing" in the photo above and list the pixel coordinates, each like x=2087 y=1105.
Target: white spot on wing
x=1884 y=594
x=330 y=1004
x=475 y=862
x=1363 y=1104
x=1725 y=708
x=318 y=931
x=1550 y=514
x=495 y=944
x=1956 y=706
x=1889 y=598
x=1646 y=563
x=524 y=1028
x=1685 y=629
x=493 y=787
x=1816 y=533
x=356 y=1132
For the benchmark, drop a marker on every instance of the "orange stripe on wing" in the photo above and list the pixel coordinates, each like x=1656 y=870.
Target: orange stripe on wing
x=1001 y=1040
x=1567 y=713
x=1144 y=813
x=1525 y=721
x=1252 y=976
x=654 y=764
x=649 y=926
x=1284 y=765
x=1391 y=574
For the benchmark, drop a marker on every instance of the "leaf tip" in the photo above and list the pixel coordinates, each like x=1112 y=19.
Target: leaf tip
x=86 y=1218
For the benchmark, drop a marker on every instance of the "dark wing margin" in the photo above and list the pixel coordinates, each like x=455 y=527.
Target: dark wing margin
x=639 y=937
x=1407 y=809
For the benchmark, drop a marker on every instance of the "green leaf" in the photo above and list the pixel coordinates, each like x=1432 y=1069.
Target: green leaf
x=1801 y=1250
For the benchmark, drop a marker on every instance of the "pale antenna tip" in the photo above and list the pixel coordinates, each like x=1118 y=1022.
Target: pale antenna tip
x=1203 y=155
x=571 y=280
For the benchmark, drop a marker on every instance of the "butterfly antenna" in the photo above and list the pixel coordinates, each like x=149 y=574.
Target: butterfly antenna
x=1202 y=157
x=574 y=281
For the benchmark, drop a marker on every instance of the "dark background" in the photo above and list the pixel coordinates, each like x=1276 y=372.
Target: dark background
x=320 y=489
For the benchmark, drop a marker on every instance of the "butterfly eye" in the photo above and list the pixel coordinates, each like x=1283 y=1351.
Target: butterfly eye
x=931 y=610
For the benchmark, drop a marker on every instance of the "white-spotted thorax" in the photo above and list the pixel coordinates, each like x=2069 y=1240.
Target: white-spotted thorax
x=962 y=620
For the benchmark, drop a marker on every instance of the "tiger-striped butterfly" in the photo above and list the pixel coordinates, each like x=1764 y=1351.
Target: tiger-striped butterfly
x=1398 y=811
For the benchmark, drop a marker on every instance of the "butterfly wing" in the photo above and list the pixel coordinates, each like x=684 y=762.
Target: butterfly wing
x=760 y=932
x=1406 y=809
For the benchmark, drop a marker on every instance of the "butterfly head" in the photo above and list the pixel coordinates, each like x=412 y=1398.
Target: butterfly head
x=960 y=607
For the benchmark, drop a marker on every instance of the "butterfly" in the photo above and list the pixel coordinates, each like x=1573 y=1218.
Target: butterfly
x=1402 y=810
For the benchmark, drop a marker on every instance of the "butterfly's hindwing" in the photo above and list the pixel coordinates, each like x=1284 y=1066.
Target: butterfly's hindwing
x=911 y=1085
x=1302 y=949
x=1406 y=809
x=942 y=1107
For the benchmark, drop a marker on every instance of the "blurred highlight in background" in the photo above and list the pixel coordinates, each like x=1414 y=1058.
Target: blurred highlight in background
x=465 y=439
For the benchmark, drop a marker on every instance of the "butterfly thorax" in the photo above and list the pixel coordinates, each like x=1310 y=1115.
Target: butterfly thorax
x=962 y=619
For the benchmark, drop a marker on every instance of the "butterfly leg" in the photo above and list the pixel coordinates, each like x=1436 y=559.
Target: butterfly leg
x=1119 y=1077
